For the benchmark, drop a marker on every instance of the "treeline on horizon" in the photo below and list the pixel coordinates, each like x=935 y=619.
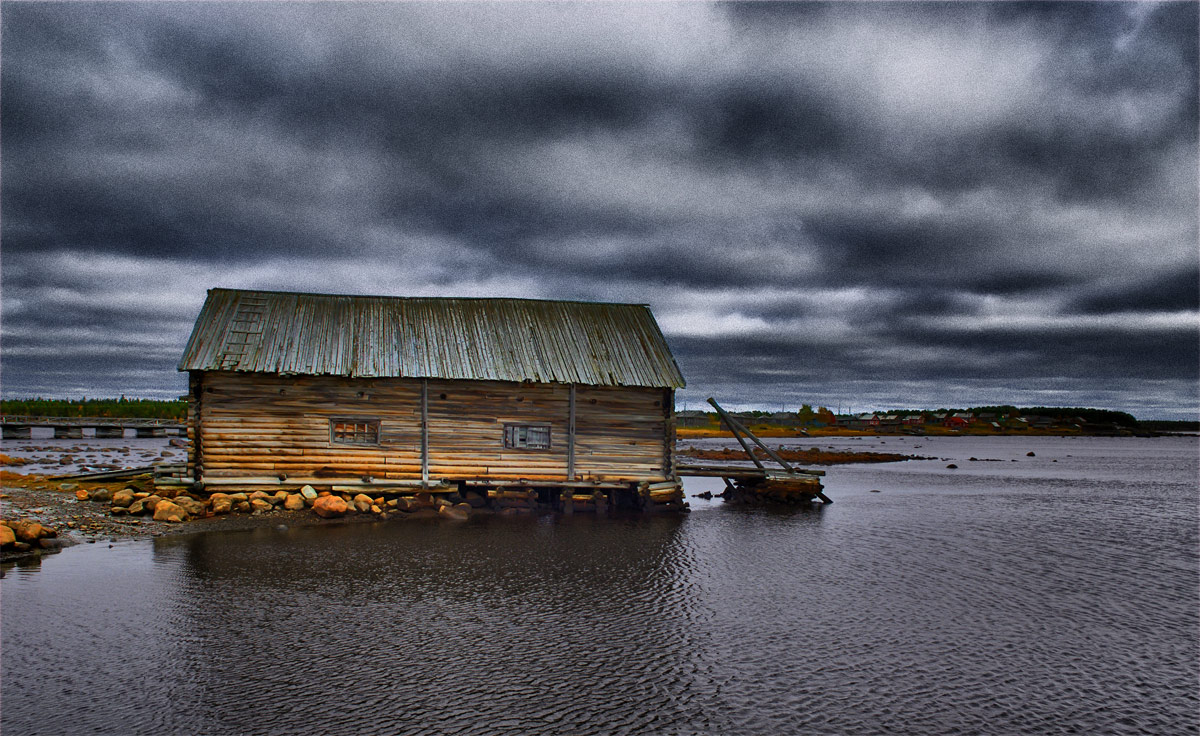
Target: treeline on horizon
x=84 y=407
x=1091 y=416
x=177 y=409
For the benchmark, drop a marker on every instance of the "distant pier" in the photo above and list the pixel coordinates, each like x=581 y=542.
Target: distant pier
x=72 y=428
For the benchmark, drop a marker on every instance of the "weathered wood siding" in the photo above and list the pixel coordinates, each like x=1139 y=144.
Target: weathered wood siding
x=262 y=425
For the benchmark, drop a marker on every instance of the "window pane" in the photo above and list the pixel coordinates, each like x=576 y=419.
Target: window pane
x=354 y=432
x=529 y=436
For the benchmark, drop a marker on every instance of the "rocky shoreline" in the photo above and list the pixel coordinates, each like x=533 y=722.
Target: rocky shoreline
x=43 y=515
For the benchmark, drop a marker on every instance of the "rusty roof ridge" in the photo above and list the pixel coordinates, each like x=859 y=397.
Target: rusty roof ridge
x=430 y=298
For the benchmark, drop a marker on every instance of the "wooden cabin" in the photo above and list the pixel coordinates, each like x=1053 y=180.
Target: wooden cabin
x=289 y=389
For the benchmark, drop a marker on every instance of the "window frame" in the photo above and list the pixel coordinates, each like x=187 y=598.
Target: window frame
x=371 y=425
x=512 y=428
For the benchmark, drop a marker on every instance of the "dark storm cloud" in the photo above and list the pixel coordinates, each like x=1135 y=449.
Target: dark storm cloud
x=860 y=201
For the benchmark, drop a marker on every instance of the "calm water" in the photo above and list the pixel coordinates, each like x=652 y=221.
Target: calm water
x=1003 y=597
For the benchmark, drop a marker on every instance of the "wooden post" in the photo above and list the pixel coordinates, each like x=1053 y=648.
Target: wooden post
x=571 y=436
x=729 y=422
x=669 y=441
x=197 y=449
x=729 y=488
x=424 y=432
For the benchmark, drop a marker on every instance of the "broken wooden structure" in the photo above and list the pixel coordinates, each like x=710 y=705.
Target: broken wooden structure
x=553 y=404
x=759 y=484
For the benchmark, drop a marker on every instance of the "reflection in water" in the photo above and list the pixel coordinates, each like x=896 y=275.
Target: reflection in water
x=526 y=622
x=970 y=602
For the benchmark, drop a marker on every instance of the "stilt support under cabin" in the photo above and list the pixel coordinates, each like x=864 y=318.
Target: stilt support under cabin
x=509 y=497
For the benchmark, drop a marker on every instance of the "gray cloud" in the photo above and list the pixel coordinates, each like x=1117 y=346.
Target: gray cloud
x=907 y=200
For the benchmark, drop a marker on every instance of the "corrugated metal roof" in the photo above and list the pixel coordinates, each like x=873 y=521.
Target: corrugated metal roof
x=587 y=343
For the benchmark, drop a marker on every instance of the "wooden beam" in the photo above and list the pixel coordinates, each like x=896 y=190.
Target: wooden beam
x=425 y=432
x=729 y=422
x=766 y=449
x=735 y=425
x=197 y=449
x=571 y=435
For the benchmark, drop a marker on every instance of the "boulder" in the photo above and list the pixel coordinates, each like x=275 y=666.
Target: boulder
x=260 y=495
x=329 y=507
x=279 y=498
x=456 y=513
x=67 y=486
x=406 y=503
x=309 y=493
x=123 y=498
x=30 y=531
x=220 y=503
x=242 y=506
x=293 y=502
x=259 y=505
x=48 y=543
x=102 y=495
x=170 y=511
x=149 y=502
x=82 y=495
x=475 y=499
x=363 y=503
x=119 y=510
x=7 y=537
x=238 y=497
x=137 y=507
x=424 y=500
x=137 y=495
x=192 y=506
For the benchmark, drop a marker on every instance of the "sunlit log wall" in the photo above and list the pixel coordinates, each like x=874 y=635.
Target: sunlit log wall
x=254 y=425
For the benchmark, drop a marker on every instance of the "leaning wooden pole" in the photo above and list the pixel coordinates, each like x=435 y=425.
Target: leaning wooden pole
x=765 y=449
x=729 y=422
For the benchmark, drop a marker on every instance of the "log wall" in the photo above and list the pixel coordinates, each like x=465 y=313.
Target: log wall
x=256 y=425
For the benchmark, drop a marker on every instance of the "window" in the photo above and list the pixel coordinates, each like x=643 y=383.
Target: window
x=354 y=431
x=528 y=436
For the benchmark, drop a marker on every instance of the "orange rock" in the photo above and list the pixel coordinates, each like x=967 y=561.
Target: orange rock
x=330 y=507
x=7 y=537
x=30 y=531
x=166 y=510
x=293 y=502
x=82 y=495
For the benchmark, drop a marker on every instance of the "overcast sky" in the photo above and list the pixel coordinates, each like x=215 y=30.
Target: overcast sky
x=858 y=204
